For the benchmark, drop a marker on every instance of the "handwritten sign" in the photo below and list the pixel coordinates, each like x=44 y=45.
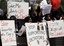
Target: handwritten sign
x=8 y=36
x=18 y=9
x=56 y=28
x=46 y=7
x=36 y=34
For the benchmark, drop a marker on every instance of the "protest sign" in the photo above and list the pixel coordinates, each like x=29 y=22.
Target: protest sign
x=45 y=7
x=8 y=36
x=18 y=9
x=36 y=34
x=56 y=28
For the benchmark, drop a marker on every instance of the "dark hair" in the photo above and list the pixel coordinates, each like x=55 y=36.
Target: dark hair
x=5 y=16
x=39 y=19
x=12 y=18
x=47 y=16
x=27 y=19
x=58 y=13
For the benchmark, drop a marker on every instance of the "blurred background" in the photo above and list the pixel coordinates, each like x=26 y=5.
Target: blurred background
x=3 y=3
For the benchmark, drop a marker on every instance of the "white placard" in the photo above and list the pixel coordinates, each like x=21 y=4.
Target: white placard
x=8 y=37
x=46 y=7
x=36 y=34
x=18 y=9
x=32 y=1
x=56 y=28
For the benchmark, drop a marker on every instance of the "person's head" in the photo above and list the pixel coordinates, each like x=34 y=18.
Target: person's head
x=47 y=17
x=58 y=15
x=28 y=19
x=34 y=6
x=39 y=19
x=49 y=1
x=12 y=18
x=63 y=16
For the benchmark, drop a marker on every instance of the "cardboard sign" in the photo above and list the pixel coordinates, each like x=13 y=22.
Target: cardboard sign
x=36 y=34
x=56 y=28
x=46 y=7
x=8 y=36
x=18 y=9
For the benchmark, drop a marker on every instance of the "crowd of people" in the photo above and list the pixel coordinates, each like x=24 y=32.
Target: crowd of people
x=35 y=15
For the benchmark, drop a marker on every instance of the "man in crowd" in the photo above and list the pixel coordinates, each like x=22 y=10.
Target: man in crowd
x=56 y=6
